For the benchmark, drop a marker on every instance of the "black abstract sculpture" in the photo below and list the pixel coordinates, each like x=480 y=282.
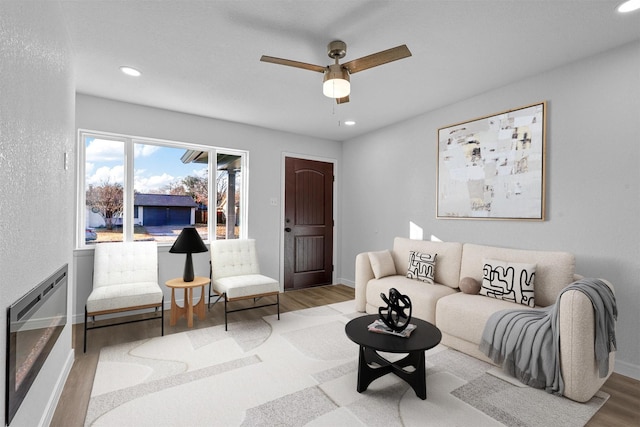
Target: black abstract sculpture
x=394 y=315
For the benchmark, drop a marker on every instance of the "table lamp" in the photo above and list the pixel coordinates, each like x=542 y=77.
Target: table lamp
x=188 y=242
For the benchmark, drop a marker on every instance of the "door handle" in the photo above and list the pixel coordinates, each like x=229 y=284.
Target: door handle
x=288 y=230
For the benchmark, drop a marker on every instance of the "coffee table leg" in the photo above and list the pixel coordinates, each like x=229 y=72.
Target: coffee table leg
x=366 y=374
x=416 y=379
x=419 y=377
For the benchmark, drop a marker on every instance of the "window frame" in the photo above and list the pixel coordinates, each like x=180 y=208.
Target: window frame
x=128 y=219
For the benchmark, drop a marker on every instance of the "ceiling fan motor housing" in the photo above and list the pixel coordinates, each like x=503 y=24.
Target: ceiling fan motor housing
x=336 y=71
x=337 y=49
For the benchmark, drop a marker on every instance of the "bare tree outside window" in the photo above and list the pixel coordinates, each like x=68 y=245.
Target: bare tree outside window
x=107 y=200
x=194 y=186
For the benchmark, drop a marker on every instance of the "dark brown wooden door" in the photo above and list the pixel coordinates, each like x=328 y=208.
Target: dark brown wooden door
x=308 y=224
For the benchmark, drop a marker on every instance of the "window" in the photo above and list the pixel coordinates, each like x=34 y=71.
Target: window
x=144 y=189
x=104 y=184
x=229 y=192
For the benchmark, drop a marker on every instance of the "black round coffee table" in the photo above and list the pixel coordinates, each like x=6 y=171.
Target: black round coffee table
x=424 y=337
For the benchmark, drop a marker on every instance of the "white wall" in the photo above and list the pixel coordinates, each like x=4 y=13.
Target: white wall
x=36 y=192
x=593 y=180
x=265 y=179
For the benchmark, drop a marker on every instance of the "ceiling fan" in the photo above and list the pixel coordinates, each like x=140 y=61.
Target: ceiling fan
x=336 y=76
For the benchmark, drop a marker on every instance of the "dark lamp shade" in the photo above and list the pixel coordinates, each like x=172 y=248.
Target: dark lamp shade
x=188 y=242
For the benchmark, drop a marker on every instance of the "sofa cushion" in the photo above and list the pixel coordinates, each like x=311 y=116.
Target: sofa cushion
x=554 y=270
x=447 y=266
x=464 y=316
x=423 y=296
x=421 y=266
x=509 y=281
x=382 y=264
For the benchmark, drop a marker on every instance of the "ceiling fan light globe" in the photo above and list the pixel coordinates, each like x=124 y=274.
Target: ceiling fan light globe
x=336 y=88
x=336 y=82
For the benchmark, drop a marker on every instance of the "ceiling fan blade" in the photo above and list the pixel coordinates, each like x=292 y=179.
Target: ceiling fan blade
x=376 y=59
x=291 y=63
x=342 y=100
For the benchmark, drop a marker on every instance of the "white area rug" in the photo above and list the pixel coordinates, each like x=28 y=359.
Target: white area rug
x=301 y=371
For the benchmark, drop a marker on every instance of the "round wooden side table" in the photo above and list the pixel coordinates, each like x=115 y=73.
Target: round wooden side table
x=188 y=308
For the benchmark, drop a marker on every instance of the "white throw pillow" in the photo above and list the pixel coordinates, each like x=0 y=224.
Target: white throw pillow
x=382 y=264
x=509 y=281
x=422 y=266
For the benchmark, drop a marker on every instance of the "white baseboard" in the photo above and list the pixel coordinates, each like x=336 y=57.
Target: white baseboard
x=52 y=404
x=346 y=282
x=627 y=369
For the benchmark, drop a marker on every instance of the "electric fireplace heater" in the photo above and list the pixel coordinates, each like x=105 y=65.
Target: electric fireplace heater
x=34 y=323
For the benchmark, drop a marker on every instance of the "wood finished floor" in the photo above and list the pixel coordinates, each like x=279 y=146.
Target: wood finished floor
x=622 y=409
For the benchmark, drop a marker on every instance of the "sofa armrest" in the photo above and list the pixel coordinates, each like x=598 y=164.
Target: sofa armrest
x=364 y=273
x=577 y=338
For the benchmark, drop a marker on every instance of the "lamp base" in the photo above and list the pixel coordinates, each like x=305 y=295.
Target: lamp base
x=188 y=275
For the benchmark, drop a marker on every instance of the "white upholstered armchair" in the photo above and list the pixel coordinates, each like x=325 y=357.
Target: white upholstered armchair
x=235 y=275
x=125 y=278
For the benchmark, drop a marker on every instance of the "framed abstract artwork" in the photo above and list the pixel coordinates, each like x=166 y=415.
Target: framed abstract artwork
x=494 y=167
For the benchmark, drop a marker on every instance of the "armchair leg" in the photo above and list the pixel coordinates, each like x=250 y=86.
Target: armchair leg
x=155 y=317
x=209 y=302
x=85 y=330
x=225 y=312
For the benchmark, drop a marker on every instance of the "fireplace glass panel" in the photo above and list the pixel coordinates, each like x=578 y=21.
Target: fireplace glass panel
x=34 y=323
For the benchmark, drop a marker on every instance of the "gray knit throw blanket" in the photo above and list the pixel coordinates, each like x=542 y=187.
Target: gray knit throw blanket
x=527 y=342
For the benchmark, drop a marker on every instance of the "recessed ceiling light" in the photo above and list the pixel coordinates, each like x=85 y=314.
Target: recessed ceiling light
x=629 y=6
x=349 y=122
x=130 y=71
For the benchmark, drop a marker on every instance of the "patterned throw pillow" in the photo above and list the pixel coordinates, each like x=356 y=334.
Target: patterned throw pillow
x=509 y=281
x=421 y=266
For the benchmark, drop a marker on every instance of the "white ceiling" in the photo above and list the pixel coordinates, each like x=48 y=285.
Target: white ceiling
x=202 y=57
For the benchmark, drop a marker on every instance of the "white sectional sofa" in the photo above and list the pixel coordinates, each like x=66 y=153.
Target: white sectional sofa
x=461 y=316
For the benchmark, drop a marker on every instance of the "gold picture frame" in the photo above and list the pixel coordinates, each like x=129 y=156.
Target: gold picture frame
x=493 y=167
